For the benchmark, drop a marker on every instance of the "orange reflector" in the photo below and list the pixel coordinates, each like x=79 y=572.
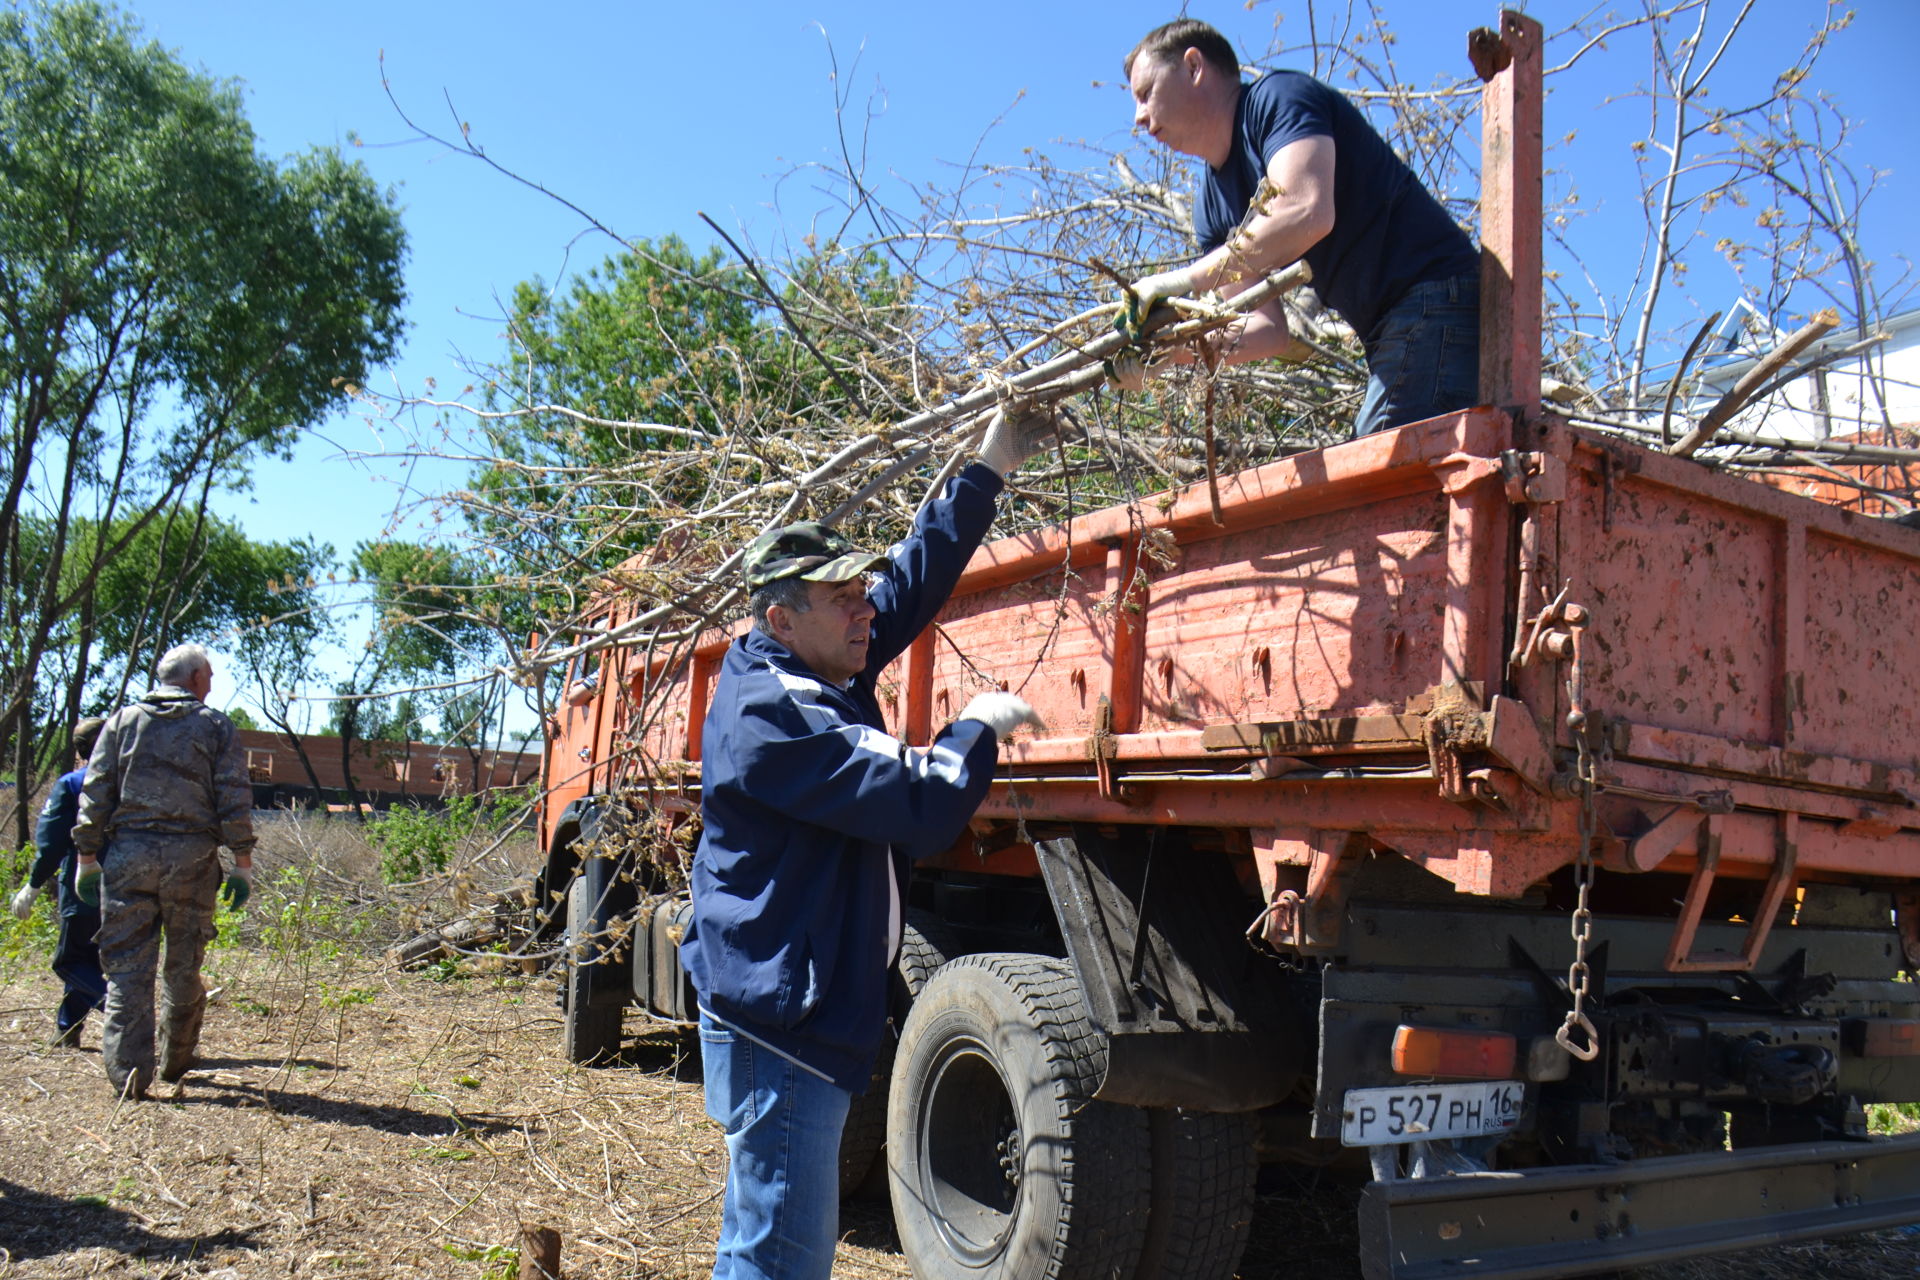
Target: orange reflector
x=1883 y=1037
x=1437 y=1051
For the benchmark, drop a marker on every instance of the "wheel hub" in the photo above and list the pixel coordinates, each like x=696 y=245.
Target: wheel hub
x=974 y=1154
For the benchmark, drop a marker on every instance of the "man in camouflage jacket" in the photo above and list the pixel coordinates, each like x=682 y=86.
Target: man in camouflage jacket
x=165 y=788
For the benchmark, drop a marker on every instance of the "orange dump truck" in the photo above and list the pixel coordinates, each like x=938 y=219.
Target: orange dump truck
x=1527 y=817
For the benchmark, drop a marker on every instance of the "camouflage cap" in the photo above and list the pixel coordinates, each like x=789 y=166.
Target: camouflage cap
x=810 y=551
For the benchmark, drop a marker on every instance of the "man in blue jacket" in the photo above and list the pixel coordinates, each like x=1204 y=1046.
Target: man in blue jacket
x=76 y=958
x=812 y=816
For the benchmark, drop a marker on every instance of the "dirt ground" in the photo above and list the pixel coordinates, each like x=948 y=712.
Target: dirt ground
x=410 y=1132
x=352 y=1120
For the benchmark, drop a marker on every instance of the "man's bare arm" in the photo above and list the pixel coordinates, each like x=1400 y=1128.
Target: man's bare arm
x=1293 y=211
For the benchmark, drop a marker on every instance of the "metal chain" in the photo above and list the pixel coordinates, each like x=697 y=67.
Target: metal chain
x=1586 y=782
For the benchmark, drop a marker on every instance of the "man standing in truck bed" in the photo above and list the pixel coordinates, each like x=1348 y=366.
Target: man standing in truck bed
x=1295 y=171
x=812 y=815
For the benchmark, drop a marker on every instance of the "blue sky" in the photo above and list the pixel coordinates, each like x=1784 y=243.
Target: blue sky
x=647 y=114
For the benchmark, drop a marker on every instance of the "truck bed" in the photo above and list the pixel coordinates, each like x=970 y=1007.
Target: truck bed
x=1331 y=646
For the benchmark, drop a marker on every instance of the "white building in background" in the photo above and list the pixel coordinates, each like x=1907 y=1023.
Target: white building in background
x=1840 y=402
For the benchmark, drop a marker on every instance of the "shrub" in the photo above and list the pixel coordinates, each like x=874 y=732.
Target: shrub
x=416 y=843
x=34 y=938
x=308 y=919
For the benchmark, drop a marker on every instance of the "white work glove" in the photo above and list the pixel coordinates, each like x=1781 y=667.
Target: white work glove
x=238 y=886
x=23 y=901
x=1128 y=370
x=86 y=880
x=1143 y=294
x=1002 y=712
x=1014 y=436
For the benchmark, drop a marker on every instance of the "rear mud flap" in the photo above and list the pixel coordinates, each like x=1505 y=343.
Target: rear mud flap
x=1155 y=934
x=1533 y=1224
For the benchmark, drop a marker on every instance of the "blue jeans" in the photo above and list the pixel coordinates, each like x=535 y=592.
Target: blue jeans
x=1425 y=357
x=781 y=1215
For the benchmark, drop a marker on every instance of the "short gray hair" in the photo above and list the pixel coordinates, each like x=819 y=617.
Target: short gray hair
x=180 y=663
x=794 y=593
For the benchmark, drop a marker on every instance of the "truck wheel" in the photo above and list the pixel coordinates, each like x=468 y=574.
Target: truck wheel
x=865 y=1132
x=1000 y=1163
x=592 y=1031
x=1204 y=1168
x=925 y=944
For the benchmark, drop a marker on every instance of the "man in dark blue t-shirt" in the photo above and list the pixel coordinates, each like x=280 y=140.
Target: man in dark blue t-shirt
x=1296 y=172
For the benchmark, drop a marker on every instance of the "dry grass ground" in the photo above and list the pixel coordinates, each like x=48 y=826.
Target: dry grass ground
x=350 y=1120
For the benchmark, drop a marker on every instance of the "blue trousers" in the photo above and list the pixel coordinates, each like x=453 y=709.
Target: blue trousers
x=1424 y=359
x=781 y=1214
x=76 y=962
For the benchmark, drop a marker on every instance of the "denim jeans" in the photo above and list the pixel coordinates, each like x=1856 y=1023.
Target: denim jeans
x=1425 y=357
x=781 y=1214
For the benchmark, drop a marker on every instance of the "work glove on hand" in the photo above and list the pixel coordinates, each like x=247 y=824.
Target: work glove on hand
x=1014 y=436
x=86 y=882
x=1127 y=369
x=1140 y=297
x=23 y=900
x=1002 y=712
x=238 y=887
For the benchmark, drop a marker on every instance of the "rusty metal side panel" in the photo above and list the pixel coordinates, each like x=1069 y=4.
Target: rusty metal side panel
x=668 y=734
x=1049 y=638
x=1859 y=693
x=1333 y=613
x=1346 y=605
x=1681 y=591
x=1725 y=609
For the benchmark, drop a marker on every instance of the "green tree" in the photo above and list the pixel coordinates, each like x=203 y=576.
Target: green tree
x=170 y=303
x=183 y=576
x=428 y=626
x=651 y=350
x=285 y=627
x=609 y=400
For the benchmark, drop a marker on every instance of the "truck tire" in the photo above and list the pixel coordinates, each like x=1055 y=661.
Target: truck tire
x=1204 y=1168
x=591 y=1035
x=1000 y=1163
x=865 y=1132
x=925 y=944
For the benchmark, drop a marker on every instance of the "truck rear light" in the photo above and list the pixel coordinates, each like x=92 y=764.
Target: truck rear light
x=1882 y=1037
x=1452 y=1051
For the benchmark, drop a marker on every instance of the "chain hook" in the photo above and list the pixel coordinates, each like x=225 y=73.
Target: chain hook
x=1587 y=783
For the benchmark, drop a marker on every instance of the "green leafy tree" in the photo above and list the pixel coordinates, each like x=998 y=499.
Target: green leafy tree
x=651 y=350
x=285 y=627
x=171 y=303
x=611 y=397
x=427 y=629
x=184 y=576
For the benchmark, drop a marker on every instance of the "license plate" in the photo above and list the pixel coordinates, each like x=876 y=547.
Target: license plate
x=1382 y=1117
